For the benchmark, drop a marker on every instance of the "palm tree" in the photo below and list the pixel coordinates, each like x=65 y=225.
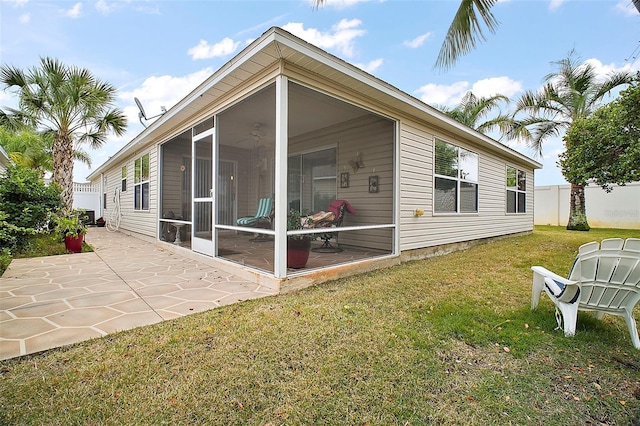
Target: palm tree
x=67 y=103
x=33 y=150
x=471 y=110
x=572 y=91
x=27 y=149
x=464 y=32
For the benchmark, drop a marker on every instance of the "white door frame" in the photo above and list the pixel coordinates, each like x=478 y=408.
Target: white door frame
x=198 y=243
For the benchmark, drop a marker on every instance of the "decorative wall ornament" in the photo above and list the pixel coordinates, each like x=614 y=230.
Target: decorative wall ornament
x=373 y=184
x=344 y=180
x=357 y=163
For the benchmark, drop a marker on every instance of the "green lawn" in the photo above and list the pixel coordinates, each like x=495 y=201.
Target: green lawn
x=445 y=341
x=39 y=245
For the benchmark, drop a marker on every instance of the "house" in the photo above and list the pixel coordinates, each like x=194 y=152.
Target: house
x=5 y=161
x=288 y=122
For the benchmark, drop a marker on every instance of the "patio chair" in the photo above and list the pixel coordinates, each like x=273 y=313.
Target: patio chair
x=338 y=209
x=262 y=218
x=605 y=278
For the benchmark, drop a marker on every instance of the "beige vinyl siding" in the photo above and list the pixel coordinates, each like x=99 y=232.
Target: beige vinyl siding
x=416 y=192
x=173 y=160
x=245 y=180
x=373 y=137
x=141 y=222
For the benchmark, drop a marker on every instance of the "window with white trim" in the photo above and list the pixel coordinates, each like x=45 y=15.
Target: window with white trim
x=455 y=179
x=516 y=190
x=141 y=183
x=123 y=186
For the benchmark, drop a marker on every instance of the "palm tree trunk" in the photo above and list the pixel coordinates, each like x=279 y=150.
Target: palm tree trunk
x=577 y=209
x=63 y=169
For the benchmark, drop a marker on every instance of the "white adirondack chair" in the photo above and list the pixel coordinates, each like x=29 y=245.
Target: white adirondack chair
x=605 y=278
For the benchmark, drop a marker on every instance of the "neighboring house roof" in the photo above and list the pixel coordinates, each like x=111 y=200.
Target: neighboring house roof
x=4 y=158
x=277 y=44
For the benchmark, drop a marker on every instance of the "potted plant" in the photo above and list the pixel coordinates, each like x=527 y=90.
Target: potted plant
x=298 y=246
x=73 y=228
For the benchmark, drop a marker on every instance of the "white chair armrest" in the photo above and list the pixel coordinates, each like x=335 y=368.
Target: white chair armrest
x=540 y=270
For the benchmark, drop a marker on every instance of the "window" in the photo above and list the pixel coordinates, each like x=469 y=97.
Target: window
x=312 y=183
x=141 y=183
x=124 y=178
x=456 y=179
x=516 y=190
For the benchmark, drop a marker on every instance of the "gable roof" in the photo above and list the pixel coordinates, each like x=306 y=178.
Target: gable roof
x=277 y=44
x=4 y=158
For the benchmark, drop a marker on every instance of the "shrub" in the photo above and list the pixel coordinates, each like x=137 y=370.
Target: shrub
x=27 y=204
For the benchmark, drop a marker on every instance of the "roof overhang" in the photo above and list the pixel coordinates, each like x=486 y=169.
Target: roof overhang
x=277 y=45
x=4 y=158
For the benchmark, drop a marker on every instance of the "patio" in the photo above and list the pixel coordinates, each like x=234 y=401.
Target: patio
x=245 y=248
x=125 y=283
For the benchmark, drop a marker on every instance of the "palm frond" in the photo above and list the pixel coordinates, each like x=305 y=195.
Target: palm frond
x=501 y=122
x=465 y=31
x=613 y=80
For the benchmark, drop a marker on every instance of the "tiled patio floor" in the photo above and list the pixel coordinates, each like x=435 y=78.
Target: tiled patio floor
x=125 y=283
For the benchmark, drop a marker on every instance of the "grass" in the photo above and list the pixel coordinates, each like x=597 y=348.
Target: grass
x=39 y=245
x=447 y=341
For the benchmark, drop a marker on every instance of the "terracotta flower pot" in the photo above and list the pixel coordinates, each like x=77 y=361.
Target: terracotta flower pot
x=74 y=244
x=298 y=252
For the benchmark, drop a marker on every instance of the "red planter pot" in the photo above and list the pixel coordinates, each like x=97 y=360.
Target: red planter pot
x=298 y=253
x=74 y=244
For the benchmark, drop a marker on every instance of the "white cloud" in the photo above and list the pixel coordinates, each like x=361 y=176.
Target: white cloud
x=371 y=66
x=555 y=4
x=8 y=99
x=603 y=70
x=496 y=86
x=75 y=11
x=24 y=18
x=341 y=37
x=627 y=8
x=450 y=95
x=206 y=51
x=16 y=3
x=165 y=90
x=417 y=42
x=104 y=7
x=148 y=10
x=339 y=4
x=442 y=94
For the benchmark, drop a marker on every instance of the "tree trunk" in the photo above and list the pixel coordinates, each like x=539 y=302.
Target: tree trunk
x=63 y=168
x=577 y=209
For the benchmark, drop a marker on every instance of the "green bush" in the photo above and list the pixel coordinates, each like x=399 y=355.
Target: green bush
x=27 y=204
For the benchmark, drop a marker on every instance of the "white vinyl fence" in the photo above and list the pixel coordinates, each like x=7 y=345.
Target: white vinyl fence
x=87 y=197
x=617 y=209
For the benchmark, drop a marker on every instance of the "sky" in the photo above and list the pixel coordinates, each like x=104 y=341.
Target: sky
x=159 y=51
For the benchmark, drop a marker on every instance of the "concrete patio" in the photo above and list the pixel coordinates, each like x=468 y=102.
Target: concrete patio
x=125 y=283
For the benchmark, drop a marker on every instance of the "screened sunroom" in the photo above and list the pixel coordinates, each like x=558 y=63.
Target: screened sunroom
x=229 y=185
